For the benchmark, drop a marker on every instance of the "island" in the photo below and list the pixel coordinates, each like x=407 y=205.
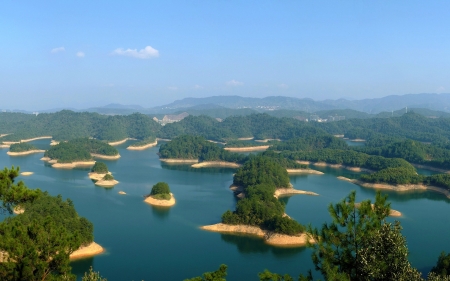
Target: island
x=102 y=176
x=160 y=196
x=258 y=183
x=22 y=148
x=79 y=153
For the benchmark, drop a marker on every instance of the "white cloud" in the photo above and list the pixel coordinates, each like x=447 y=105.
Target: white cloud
x=57 y=50
x=172 y=88
x=283 y=86
x=80 y=54
x=146 y=53
x=234 y=83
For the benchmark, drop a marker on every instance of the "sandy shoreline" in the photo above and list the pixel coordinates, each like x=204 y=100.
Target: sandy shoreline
x=87 y=251
x=96 y=176
x=218 y=142
x=245 y=139
x=398 y=188
x=18 y=210
x=72 y=165
x=179 y=161
x=358 y=140
x=27 y=173
x=160 y=203
x=267 y=140
x=281 y=192
x=27 y=140
x=24 y=152
x=430 y=168
x=392 y=212
x=118 y=142
x=4 y=145
x=270 y=238
x=335 y=166
x=142 y=147
x=303 y=171
x=247 y=148
x=106 y=183
x=216 y=164
x=106 y=157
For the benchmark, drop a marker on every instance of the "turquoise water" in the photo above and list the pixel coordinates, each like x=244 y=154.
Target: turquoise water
x=146 y=243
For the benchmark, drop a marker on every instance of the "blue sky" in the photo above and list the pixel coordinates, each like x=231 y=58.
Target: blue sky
x=90 y=53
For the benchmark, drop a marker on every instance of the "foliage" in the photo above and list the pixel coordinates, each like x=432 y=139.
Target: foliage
x=218 y=275
x=12 y=194
x=39 y=241
x=442 y=267
x=310 y=142
x=99 y=168
x=21 y=147
x=160 y=188
x=108 y=177
x=145 y=141
x=92 y=276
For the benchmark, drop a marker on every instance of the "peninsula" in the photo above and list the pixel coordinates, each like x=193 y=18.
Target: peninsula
x=142 y=145
x=19 y=149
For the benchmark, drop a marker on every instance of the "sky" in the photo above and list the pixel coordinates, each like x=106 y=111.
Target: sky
x=81 y=54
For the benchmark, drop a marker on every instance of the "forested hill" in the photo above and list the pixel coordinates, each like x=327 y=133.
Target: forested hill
x=67 y=125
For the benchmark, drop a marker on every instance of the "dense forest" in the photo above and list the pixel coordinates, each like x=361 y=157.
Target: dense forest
x=22 y=147
x=259 y=178
x=79 y=150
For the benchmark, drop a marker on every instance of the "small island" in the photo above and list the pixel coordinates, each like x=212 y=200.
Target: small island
x=79 y=153
x=22 y=148
x=102 y=176
x=160 y=196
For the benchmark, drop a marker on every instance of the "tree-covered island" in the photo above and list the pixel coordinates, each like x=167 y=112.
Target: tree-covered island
x=23 y=148
x=79 y=152
x=259 y=212
x=160 y=195
x=101 y=176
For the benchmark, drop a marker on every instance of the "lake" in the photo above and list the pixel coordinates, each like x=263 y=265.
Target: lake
x=147 y=243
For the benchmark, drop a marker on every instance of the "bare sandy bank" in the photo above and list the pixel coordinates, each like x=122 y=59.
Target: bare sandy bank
x=249 y=138
x=160 y=203
x=338 y=136
x=159 y=139
x=218 y=142
x=335 y=166
x=122 y=192
x=96 y=176
x=281 y=192
x=24 y=152
x=38 y=138
x=118 y=142
x=216 y=164
x=27 y=173
x=178 y=161
x=142 y=147
x=73 y=164
x=358 y=140
x=106 y=183
x=87 y=251
x=273 y=239
x=303 y=171
x=431 y=168
x=247 y=148
x=106 y=157
x=18 y=210
x=4 y=145
x=399 y=187
x=53 y=142
x=267 y=140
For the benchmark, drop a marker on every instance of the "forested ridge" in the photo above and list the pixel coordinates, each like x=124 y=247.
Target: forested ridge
x=22 y=147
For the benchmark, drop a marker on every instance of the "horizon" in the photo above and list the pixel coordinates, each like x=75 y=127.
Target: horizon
x=90 y=54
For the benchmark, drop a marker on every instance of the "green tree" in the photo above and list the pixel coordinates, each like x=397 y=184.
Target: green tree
x=442 y=267
x=218 y=275
x=92 y=276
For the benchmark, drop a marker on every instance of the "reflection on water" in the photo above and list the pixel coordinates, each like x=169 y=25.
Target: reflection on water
x=160 y=212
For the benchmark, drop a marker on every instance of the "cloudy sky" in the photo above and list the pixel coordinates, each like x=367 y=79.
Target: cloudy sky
x=90 y=53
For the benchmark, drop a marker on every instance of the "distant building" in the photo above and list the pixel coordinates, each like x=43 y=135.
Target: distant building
x=171 y=118
x=335 y=118
x=314 y=117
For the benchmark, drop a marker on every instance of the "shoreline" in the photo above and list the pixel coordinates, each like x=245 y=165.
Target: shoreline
x=400 y=187
x=118 y=142
x=160 y=203
x=357 y=140
x=431 y=168
x=106 y=157
x=142 y=147
x=26 y=173
x=106 y=183
x=27 y=140
x=90 y=250
x=96 y=176
x=216 y=164
x=218 y=142
x=273 y=239
x=283 y=192
x=247 y=148
x=54 y=163
x=336 y=166
x=179 y=161
x=245 y=139
x=267 y=140
x=25 y=152
x=303 y=171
